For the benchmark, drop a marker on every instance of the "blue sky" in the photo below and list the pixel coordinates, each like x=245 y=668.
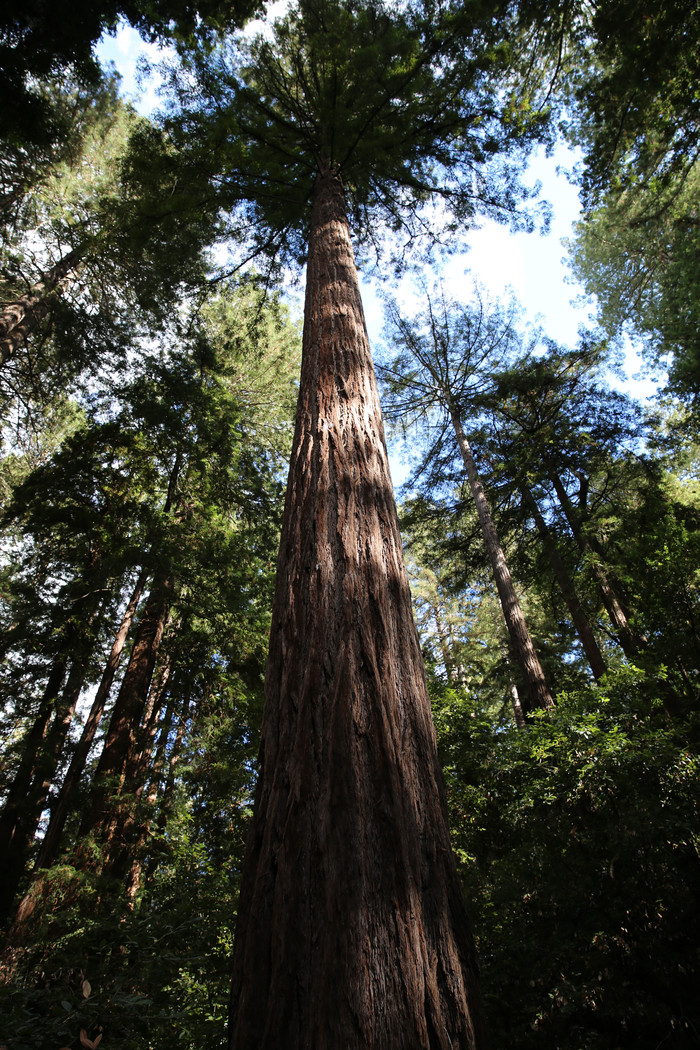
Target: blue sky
x=530 y=266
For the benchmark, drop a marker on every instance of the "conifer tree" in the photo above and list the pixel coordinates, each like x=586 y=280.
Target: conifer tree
x=351 y=927
x=431 y=383
x=172 y=481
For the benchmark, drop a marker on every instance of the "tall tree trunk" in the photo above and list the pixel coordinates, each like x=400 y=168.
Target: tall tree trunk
x=19 y=318
x=14 y=811
x=134 y=874
x=140 y=758
x=105 y=814
x=50 y=758
x=351 y=927
x=38 y=794
x=629 y=641
x=538 y=694
x=134 y=823
x=445 y=647
x=59 y=814
x=566 y=585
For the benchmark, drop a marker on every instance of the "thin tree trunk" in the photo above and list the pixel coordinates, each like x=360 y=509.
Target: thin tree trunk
x=629 y=641
x=515 y=702
x=518 y=713
x=111 y=800
x=538 y=694
x=14 y=810
x=135 y=872
x=632 y=643
x=105 y=814
x=19 y=318
x=38 y=794
x=139 y=760
x=566 y=585
x=444 y=642
x=351 y=927
x=133 y=828
x=48 y=757
x=59 y=813
x=166 y=801
x=169 y=789
x=56 y=737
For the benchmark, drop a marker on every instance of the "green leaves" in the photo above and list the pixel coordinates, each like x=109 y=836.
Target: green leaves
x=404 y=106
x=579 y=855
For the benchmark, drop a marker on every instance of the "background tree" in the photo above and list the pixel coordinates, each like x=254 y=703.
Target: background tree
x=431 y=385
x=633 y=112
x=583 y=443
x=637 y=251
x=175 y=433
x=83 y=267
x=574 y=835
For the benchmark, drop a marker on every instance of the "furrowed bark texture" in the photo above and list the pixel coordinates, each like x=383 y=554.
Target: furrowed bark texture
x=352 y=932
x=538 y=694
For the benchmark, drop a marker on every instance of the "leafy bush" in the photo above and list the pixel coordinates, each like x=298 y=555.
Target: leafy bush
x=578 y=844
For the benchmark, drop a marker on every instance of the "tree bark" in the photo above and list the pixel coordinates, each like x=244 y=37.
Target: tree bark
x=173 y=760
x=538 y=694
x=135 y=822
x=59 y=813
x=50 y=759
x=629 y=641
x=566 y=585
x=37 y=799
x=106 y=812
x=518 y=713
x=444 y=642
x=141 y=833
x=351 y=928
x=140 y=758
x=19 y=318
x=15 y=809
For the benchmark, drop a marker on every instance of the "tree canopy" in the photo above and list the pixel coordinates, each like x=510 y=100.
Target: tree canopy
x=272 y=772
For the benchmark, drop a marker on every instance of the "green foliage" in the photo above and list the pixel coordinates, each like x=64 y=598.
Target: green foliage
x=159 y=436
x=403 y=104
x=159 y=975
x=637 y=110
x=637 y=252
x=577 y=840
x=636 y=117
x=219 y=404
x=40 y=41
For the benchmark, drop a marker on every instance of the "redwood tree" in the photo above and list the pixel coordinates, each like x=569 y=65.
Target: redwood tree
x=351 y=928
